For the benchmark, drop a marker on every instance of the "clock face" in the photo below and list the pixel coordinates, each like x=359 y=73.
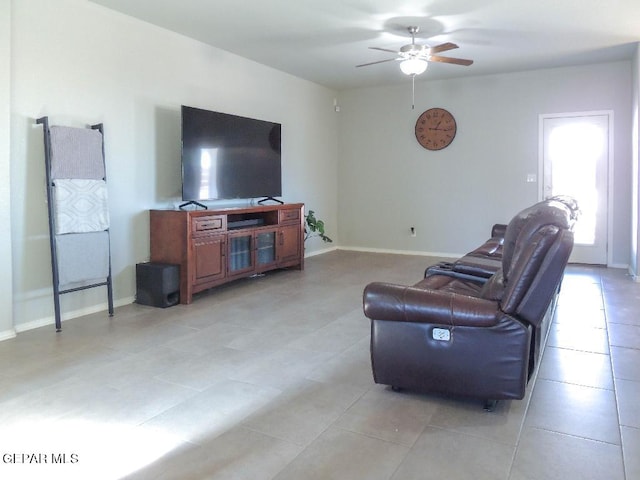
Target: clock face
x=435 y=129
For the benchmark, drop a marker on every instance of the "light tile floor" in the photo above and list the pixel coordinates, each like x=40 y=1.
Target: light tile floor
x=269 y=378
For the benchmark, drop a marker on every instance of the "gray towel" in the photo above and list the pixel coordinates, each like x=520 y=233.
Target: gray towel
x=83 y=258
x=76 y=153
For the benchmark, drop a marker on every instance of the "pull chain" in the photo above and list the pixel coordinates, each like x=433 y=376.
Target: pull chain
x=413 y=91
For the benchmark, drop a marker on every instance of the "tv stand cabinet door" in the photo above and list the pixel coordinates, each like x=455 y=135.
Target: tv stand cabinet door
x=266 y=256
x=241 y=255
x=208 y=259
x=289 y=246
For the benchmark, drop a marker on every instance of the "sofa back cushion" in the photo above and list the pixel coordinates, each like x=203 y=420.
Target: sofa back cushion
x=526 y=224
x=537 y=271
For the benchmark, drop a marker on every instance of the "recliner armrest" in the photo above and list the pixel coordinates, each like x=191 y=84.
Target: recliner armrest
x=498 y=230
x=480 y=273
x=453 y=270
x=386 y=301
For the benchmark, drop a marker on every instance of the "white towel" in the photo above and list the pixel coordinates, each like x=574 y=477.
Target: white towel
x=80 y=206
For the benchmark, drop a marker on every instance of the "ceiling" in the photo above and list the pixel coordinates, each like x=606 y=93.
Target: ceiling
x=323 y=40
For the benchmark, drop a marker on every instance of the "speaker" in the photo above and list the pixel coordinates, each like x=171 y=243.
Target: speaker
x=157 y=284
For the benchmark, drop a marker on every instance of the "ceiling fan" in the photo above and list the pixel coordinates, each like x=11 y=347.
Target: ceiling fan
x=414 y=57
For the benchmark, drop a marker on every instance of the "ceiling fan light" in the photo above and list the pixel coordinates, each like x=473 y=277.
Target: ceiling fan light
x=413 y=66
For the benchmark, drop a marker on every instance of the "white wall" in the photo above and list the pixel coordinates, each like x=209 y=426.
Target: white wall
x=80 y=64
x=635 y=176
x=388 y=183
x=6 y=280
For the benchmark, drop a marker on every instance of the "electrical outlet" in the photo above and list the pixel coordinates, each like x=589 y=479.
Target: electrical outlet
x=413 y=231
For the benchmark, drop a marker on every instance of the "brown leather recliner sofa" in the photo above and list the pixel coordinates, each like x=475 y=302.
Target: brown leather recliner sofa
x=473 y=336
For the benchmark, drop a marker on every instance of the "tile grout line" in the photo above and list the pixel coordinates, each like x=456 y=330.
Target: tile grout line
x=615 y=382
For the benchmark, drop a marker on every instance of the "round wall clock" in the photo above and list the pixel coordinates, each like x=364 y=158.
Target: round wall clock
x=435 y=129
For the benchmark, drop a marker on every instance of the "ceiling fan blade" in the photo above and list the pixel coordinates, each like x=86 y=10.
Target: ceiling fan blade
x=379 y=61
x=383 y=49
x=455 y=61
x=443 y=47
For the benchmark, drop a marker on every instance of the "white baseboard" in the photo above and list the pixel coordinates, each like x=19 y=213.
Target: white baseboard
x=618 y=265
x=43 y=322
x=319 y=252
x=403 y=252
x=8 y=334
x=432 y=254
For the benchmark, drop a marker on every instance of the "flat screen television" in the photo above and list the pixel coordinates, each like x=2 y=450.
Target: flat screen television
x=229 y=157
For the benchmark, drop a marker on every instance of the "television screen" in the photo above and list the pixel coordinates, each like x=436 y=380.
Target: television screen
x=226 y=156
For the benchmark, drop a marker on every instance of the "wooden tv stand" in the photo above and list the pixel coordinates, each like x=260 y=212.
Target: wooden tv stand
x=214 y=247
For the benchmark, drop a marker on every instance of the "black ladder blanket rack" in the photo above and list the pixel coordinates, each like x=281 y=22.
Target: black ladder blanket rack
x=78 y=215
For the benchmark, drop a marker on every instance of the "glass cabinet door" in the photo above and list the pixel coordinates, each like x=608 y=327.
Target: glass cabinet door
x=265 y=248
x=240 y=253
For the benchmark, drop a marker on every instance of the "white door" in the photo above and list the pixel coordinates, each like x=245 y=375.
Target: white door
x=575 y=161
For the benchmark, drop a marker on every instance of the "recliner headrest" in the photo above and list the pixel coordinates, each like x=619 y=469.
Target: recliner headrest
x=561 y=212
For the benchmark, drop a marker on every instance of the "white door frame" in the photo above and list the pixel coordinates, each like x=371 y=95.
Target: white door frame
x=610 y=162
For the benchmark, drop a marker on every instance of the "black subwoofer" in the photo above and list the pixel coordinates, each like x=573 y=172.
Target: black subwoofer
x=157 y=284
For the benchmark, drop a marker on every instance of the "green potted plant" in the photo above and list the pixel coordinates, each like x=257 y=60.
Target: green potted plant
x=314 y=227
